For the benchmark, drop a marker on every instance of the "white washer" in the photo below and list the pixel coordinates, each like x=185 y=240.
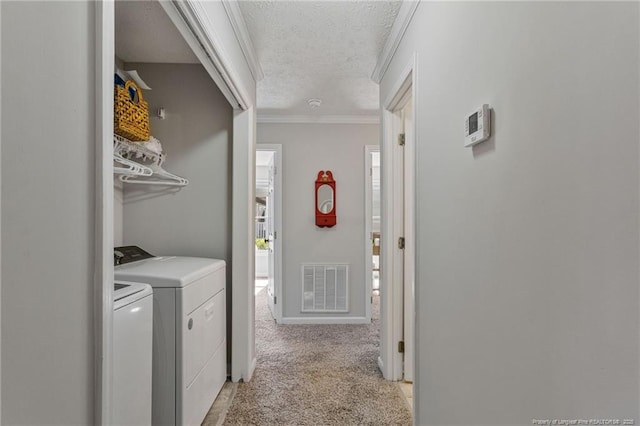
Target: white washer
x=132 y=343
x=189 y=331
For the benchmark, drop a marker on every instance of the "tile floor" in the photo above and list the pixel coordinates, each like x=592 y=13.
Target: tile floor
x=407 y=392
x=221 y=405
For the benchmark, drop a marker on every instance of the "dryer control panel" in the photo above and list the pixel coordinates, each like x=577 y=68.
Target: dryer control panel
x=128 y=254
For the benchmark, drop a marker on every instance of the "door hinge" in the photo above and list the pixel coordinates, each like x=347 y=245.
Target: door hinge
x=401 y=346
x=275 y=235
x=401 y=139
x=371 y=299
x=275 y=300
x=401 y=243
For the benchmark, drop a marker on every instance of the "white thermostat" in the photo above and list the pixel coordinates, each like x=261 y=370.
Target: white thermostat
x=477 y=126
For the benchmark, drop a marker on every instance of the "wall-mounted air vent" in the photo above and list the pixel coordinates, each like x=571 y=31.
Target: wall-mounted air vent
x=325 y=287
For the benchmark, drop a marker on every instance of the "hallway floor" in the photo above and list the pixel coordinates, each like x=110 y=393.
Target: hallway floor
x=313 y=375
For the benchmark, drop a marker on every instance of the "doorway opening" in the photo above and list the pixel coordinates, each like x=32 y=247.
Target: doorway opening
x=372 y=214
x=397 y=355
x=268 y=225
x=373 y=232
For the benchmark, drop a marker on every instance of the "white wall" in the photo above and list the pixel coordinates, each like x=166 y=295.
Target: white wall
x=307 y=149
x=262 y=175
x=48 y=178
x=375 y=192
x=230 y=47
x=527 y=245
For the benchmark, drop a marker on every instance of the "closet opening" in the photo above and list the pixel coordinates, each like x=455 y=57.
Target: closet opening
x=166 y=201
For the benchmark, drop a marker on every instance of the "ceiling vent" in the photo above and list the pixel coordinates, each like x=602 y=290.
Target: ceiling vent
x=314 y=102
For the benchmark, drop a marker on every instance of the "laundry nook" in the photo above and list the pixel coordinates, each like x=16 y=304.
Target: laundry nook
x=171 y=148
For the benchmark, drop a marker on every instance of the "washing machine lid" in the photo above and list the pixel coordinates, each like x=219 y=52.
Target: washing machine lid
x=168 y=271
x=126 y=293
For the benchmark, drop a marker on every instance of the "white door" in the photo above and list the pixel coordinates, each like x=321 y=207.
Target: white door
x=272 y=234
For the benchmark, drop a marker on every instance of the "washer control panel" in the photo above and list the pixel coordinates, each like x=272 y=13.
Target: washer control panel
x=127 y=254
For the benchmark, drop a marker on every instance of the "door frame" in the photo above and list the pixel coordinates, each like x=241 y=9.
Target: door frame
x=391 y=259
x=409 y=301
x=277 y=220
x=368 y=226
x=103 y=275
x=196 y=26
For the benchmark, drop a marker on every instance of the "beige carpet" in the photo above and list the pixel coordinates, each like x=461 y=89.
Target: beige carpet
x=316 y=375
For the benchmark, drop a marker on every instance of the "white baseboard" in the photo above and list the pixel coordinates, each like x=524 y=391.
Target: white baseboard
x=324 y=320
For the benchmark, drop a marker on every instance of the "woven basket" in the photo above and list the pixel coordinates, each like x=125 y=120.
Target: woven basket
x=130 y=118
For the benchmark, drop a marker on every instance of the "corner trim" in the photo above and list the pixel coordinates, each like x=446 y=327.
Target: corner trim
x=243 y=350
x=236 y=18
x=324 y=320
x=400 y=25
x=319 y=119
x=104 y=18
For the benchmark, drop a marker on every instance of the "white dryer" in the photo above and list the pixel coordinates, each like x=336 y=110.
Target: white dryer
x=189 y=331
x=132 y=337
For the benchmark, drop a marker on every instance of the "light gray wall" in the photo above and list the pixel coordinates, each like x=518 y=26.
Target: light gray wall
x=307 y=149
x=118 y=212
x=48 y=178
x=527 y=268
x=196 y=136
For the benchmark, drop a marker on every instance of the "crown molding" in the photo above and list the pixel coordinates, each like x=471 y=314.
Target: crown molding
x=400 y=25
x=236 y=18
x=319 y=119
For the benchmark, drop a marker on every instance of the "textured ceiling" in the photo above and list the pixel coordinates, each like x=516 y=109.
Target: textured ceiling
x=318 y=49
x=144 y=33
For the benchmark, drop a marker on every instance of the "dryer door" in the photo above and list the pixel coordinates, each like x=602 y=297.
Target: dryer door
x=201 y=349
x=203 y=331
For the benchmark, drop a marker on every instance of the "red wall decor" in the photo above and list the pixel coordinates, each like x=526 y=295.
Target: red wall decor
x=325 y=199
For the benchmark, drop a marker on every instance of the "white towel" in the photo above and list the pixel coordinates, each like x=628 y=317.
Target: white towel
x=153 y=145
